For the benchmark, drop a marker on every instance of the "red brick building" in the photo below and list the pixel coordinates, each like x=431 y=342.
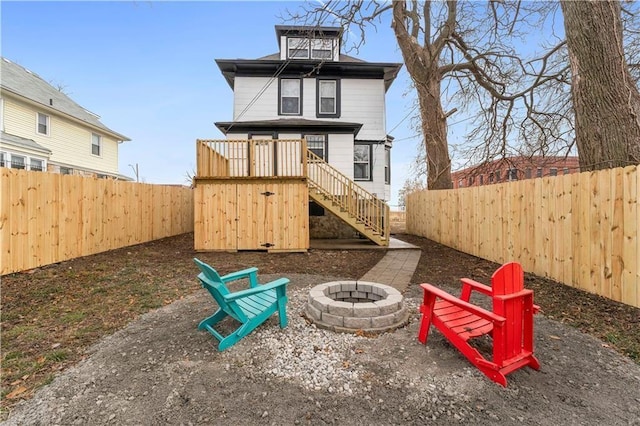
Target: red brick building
x=514 y=168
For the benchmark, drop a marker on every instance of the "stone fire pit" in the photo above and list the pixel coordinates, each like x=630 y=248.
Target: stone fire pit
x=351 y=306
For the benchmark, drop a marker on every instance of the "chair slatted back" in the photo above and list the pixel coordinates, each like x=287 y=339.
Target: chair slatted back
x=518 y=329
x=212 y=281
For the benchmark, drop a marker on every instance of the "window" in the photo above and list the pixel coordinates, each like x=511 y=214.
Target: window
x=513 y=174
x=460 y=183
x=328 y=99
x=321 y=49
x=471 y=180
x=17 y=162
x=298 y=47
x=491 y=177
x=497 y=175
x=565 y=171
x=527 y=174
x=290 y=96
x=553 y=172
x=35 y=165
x=43 y=124
x=318 y=145
x=387 y=166
x=362 y=162
x=66 y=171
x=481 y=179
x=96 y=144
x=539 y=172
x=3 y=159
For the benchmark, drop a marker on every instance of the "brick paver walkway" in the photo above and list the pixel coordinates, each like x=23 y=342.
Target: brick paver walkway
x=395 y=269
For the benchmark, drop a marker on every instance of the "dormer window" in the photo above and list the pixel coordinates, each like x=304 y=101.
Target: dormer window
x=298 y=47
x=305 y=48
x=321 y=49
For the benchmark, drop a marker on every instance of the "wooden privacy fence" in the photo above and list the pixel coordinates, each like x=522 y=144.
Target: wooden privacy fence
x=579 y=229
x=47 y=218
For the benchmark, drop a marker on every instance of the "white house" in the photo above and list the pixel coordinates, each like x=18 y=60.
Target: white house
x=310 y=89
x=45 y=130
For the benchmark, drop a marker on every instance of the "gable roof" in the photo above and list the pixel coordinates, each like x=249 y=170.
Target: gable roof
x=22 y=82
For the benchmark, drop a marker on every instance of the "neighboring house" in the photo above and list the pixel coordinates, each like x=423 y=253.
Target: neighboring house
x=309 y=89
x=514 y=168
x=45 y=130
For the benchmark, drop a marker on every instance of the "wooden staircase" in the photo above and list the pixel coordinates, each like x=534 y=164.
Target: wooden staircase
x=357 y=207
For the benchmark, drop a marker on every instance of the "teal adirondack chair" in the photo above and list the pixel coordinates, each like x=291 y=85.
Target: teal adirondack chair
x=250 y=307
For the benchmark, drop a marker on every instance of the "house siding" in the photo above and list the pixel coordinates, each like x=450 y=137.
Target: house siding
x=265 y=107
x=341 y=153
x=362 y=101
x=69 y=142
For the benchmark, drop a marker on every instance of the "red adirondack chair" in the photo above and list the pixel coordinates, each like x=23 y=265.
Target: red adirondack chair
x=510 y=324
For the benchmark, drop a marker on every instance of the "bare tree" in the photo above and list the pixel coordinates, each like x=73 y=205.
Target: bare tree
x=605 y=95
x=463 y=45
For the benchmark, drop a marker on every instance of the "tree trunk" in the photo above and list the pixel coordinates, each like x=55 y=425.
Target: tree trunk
x=605 y=98
x=422 y=64
x=434 y=129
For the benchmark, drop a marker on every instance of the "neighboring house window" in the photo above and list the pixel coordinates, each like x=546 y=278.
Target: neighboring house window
x=321 y=49
x=553 y=172
x=565 y=171
x=96 y=144
x=298 y=47
x=17 y=162
x=497 y=175
x=527 y=174
x=43 y=124
x=481 y=179
x=362 y=162
x=471 y=180
x=513 y=174
x=491 y=177
x=387 y=166
x=460 y=183
x=290 y=96
x=66 y=171
x=3 y=159
x=539 y=172
x=318 y=145
x=328 y=98
x=35 y=165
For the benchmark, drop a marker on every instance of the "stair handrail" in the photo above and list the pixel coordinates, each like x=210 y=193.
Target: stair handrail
x=348 y=195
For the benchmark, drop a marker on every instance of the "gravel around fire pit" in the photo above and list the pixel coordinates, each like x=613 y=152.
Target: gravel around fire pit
x=161 y=370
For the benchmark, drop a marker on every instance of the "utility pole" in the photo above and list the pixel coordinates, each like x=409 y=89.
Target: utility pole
x=135 y=170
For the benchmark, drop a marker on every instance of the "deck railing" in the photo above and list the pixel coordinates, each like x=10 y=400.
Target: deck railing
x=251 y=158
x=365 y=207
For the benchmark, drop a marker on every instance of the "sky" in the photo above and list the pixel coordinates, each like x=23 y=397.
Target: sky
x=148 y=70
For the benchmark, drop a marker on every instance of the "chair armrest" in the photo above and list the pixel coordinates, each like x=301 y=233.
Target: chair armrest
x=475 y=285
x=280 y=282
x=521 y=293
x=252 y=273
x=483 y=313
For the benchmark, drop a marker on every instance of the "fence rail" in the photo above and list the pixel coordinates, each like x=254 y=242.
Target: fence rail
x=47 y=218
x=579 y=229
x=251 y=158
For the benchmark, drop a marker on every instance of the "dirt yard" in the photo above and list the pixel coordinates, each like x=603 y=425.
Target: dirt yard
x=158 y=368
